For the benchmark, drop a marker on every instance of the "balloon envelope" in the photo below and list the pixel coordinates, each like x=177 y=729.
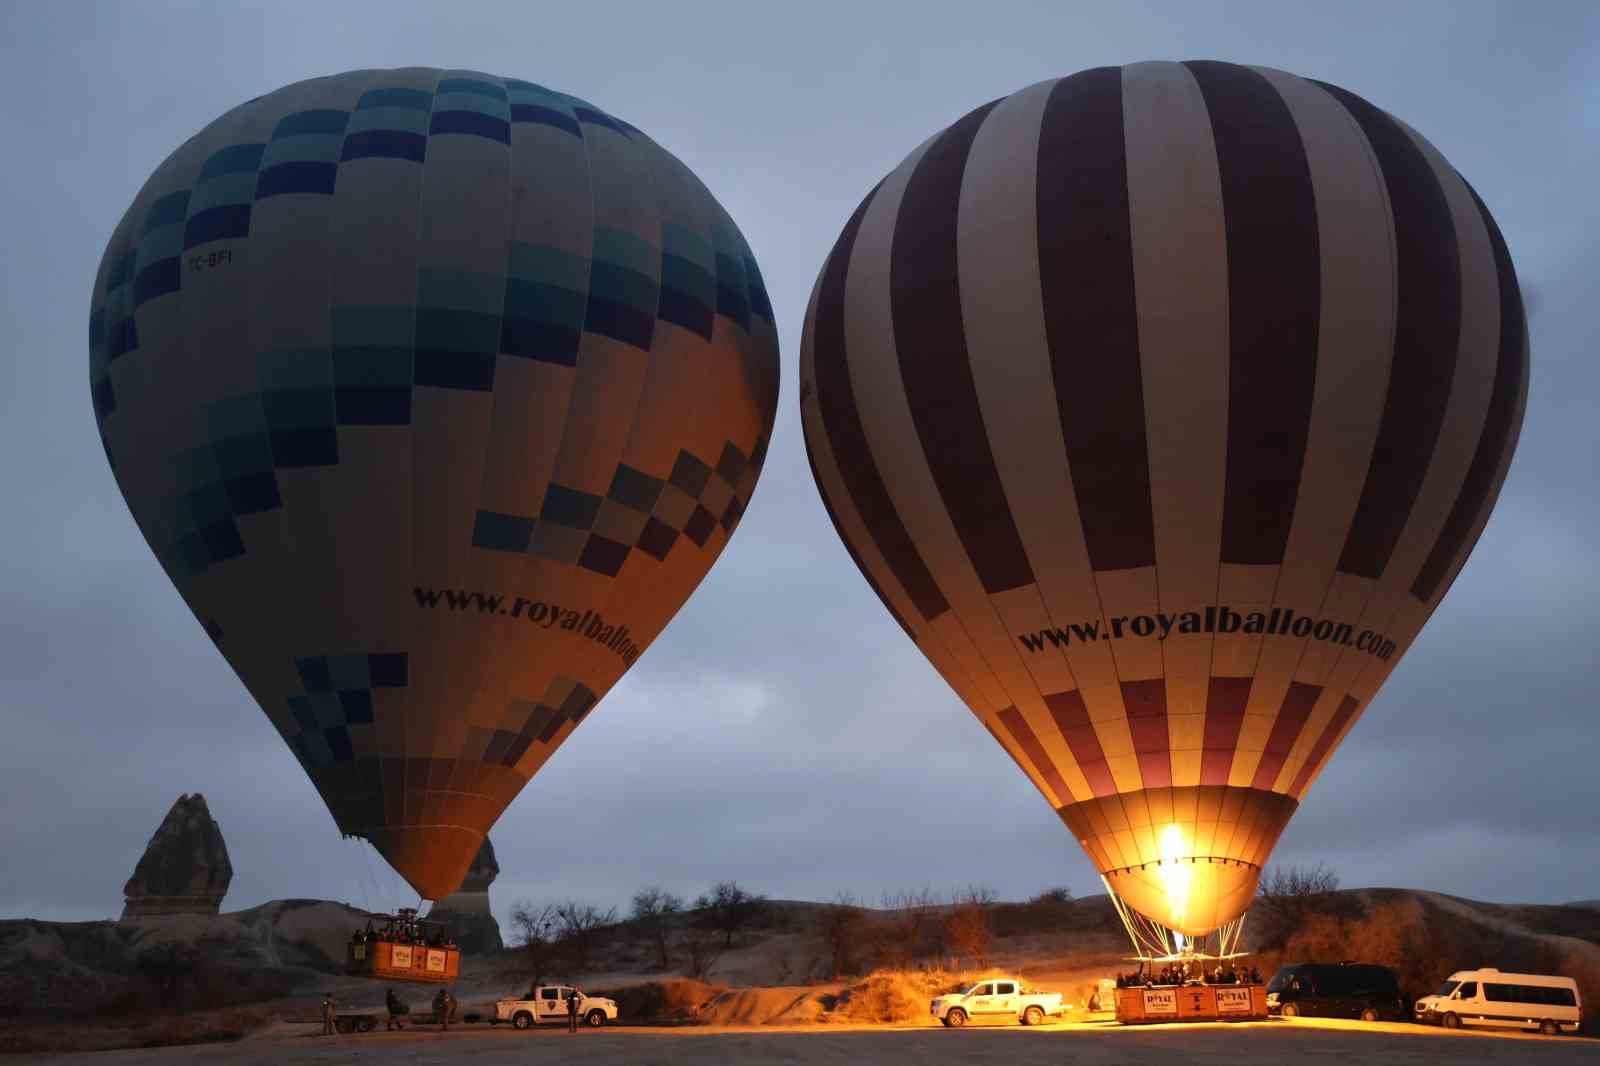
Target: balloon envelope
x=436 y=394
x=1160 y=405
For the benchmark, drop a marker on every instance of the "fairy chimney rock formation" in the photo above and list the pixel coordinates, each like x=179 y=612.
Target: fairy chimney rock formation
x=185 y=867
x=466 y=910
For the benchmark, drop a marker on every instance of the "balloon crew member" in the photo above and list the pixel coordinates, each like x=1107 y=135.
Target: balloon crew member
x=572 y=1010
x=329 y=1016
x=396 y=1009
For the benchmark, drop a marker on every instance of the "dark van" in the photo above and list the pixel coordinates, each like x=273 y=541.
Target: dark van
x=1337 y=990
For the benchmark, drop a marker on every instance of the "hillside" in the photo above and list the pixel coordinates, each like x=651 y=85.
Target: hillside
x=796 y=962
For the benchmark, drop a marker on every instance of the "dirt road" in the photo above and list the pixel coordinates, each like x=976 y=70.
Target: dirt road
x=1300 y=1041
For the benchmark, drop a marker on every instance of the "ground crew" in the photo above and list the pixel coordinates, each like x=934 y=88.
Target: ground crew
x=396 y=1009
x=444 y=1005
x=329 y=1015
x=572 y=1010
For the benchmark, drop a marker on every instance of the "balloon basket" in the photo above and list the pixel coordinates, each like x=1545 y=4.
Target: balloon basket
x=1154 y=1004
x=405 y=948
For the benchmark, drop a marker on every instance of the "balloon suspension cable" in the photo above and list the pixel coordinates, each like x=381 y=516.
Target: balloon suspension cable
x=1154 y=942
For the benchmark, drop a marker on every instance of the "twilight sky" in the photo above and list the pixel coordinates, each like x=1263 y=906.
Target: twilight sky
x=782 y=732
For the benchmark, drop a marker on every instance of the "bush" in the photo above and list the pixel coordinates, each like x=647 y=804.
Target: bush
x=967 y=931
x=886 y=996
x=661 y=1001
x=1051 y=911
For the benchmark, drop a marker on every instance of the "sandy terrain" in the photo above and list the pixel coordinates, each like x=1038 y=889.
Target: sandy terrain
x=1299 y=1041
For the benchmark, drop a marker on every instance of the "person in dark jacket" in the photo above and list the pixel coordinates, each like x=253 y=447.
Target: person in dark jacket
x=572 y=1010
x=396 y=1010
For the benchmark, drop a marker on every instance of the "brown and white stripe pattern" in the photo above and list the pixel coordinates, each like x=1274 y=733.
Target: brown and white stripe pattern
x=1148 y=340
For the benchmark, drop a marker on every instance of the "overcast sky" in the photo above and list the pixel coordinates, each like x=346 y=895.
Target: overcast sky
x=782 y=732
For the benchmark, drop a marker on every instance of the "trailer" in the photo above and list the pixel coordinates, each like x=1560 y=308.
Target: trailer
x=357 y=1021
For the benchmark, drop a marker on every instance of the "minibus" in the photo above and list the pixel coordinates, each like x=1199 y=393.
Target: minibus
x=1505 y=1000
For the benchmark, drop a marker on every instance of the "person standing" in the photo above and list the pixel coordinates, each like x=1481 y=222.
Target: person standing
x=572 y=1010
x=395 y=1008
x=329 y=1016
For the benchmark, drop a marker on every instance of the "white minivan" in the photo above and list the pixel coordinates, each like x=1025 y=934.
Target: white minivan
x=1508 y=1000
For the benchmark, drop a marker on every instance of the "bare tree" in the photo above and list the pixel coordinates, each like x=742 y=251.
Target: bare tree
x=654 y=911
x=1288 y=896
x=578 y=931
x=536 y=933
x=968 y=929
x=841 y=926
x=907 y=923
x=727 y=908
x=701 y=950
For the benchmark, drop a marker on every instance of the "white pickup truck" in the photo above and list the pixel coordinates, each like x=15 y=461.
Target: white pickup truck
x=1002 y=999
x=547 y=1005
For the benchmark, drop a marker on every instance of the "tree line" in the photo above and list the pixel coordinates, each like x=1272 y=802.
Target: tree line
x=846 y=935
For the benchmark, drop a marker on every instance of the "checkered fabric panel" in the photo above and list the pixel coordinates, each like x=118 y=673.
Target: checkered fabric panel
x=537 y=721
x=639 y=512
x=336 y=693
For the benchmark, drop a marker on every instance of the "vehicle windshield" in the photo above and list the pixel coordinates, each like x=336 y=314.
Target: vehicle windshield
x=1447 y=988
x=1280 y=980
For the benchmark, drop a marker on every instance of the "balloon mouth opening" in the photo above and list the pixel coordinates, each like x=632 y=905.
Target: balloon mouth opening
x=433 y=860
x=1187 y=858
x=1192 y=895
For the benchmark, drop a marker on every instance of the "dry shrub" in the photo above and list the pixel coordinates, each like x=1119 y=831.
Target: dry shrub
x=1051 y=911
x=1585 y=969
x=661 y=1001
x=886 y=996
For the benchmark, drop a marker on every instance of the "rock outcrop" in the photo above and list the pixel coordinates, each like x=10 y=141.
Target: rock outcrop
x=185 y=867
x=465 y=912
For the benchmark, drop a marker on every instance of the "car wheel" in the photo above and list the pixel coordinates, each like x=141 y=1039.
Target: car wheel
x=344 y=1025
x=1369 y=1015
x=1289 y=1010
x=521 y=1020
x=1451 y=1021
x=366 y=1025
x=1549 y=1028
x=595 y=1019
x=956 y=1018
x=1032 y=1016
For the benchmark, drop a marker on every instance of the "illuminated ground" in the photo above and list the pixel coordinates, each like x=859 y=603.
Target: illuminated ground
x=1298 y=1041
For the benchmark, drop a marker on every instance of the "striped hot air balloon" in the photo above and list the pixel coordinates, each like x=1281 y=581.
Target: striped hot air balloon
x=1160 y=405
x=436 y=394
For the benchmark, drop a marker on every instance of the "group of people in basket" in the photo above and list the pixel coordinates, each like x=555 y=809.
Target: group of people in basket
x=1190 y=973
